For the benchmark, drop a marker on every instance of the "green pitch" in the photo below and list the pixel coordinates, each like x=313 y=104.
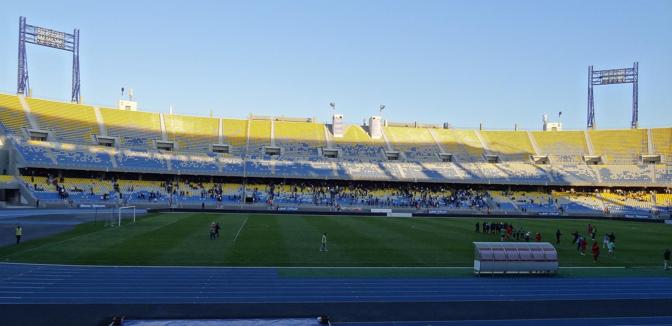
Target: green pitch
x=286 y=240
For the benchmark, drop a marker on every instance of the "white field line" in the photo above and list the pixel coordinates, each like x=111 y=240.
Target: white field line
x=240 y=229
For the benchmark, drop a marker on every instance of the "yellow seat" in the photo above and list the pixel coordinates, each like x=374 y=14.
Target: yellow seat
x=11 y=114
x=70 y=123
x=620 y=146
x=509 y=145
x=192 y=134
x=463 y=144
x=561 y=146
x=136 y=129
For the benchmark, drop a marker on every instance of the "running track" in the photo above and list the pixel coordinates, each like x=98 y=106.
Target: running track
x=43 y=294
x=44 y=284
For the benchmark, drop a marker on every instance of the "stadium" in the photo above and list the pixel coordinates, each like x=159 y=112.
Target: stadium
x=115 y=204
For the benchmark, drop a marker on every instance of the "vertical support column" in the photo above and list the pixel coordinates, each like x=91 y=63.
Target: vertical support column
x=591 y=104
x=220 y=132
x=22 y=68
x=75 y=68
x=635 y=91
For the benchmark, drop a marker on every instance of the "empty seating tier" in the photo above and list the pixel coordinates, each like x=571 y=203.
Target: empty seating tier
x=509 y=145
x=561 y=146
x=11 y=114
x=662 y=142
x=620 y=146
x=357 y=145
x=416 y=143
x=234 y=133
x=194 y=134
x=299 y=139
x=463 y=144
x=260 y=136
x=135 y=129
x=69 y=123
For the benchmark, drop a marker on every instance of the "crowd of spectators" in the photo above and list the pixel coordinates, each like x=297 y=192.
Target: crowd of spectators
x=336 y=194
x=380 y=195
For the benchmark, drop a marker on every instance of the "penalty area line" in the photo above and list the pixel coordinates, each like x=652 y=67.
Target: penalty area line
x=240 y=229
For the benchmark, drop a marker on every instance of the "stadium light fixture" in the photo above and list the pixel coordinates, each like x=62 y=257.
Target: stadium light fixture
x=48 y=38
x=609 y=77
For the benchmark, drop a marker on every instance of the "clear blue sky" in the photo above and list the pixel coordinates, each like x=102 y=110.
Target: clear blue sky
x=496 y=62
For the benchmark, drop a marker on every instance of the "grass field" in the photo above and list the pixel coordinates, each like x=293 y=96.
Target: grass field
x=285 y=240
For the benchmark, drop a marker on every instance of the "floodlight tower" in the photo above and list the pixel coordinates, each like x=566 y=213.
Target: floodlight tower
x=614 y=76
x=49 y=38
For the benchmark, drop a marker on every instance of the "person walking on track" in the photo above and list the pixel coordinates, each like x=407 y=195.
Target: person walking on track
x=19 y=234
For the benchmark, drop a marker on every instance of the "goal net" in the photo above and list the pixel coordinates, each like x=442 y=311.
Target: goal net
x=121 y=215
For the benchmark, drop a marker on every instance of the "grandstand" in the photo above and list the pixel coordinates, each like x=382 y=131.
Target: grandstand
x=66 y=123
x=299 y=140
x=620 y=146
x=137 y=130
x=234 y=133
x=259 y=137
x=12 y=115
x=192 y=133
x=269 y=149
x=509 y=145
x=357 y=146
x=416 y=144
x=464 y=145
x=561 y=146
x=662 y=142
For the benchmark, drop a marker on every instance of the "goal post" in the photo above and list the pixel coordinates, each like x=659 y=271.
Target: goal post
x=129 y=209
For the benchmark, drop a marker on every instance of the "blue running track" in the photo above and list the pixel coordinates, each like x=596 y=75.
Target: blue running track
x=200 y=292
x=26 y=283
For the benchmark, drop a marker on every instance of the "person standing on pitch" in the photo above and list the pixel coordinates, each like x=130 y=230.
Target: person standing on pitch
x=596 y=251
x=666 y=259
x=19 y=234
x=323 y=246
x=212 y=231
x=217 y=230
x=557 y=236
